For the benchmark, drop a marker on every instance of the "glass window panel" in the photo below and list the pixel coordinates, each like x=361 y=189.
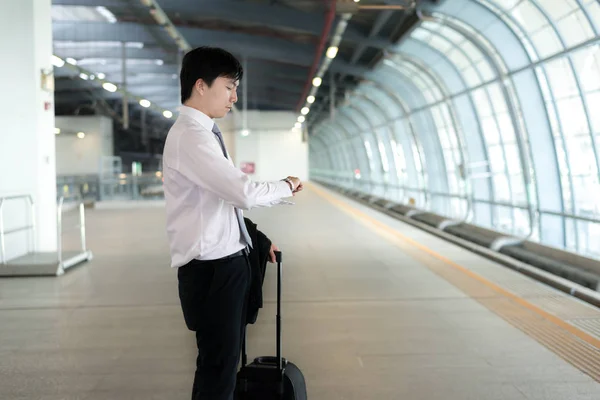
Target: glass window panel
x=593 y=102
x=558 y=9
x=581 y=155
x=472 y=52
x=459 y=59
x=528 y=16
x=506 y=128
x=502 y=190
x=443 y=138
x=543 y=83
x=485 y=70
x=490 y=131
x=421 y=34
x=482 y=103
x=546 y=42
x=441 y=44
x=505 y=4
x=561 y=79
x=593 y=8
x=497 y=97
x=561 y=156
x=572 y=116
x=571 y=243
x=518 y=190
x=587 y=65
x=431 y=25
x=471 y=77
x=521 y=222
x=512 y=159
x=585 y=200
x=575 y=29
x=496 y=157
x=451 y=35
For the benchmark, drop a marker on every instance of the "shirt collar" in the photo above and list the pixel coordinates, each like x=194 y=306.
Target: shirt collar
x=197 y=116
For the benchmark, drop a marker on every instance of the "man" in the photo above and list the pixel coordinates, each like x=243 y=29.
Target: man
x=205 y=194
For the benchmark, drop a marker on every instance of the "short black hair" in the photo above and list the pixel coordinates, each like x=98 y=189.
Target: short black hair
x=207 y=63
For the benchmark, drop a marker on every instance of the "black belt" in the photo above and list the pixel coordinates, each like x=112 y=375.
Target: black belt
x=236 y=254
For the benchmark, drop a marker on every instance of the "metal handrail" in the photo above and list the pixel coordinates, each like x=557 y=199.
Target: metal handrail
x=27 y=227
x=59 y=226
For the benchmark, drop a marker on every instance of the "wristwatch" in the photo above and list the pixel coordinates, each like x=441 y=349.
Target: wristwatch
x=290 y=182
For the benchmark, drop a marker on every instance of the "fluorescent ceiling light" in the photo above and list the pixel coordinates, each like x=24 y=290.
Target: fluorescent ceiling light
x=332 y=52
x=57 y=61
x=317 y=81
x=298 y=125
x=101 y=75
x=71 y=61
x=109 y=87
x=167 y=114
x=57 y=131
x=110 y=17
x=80 y=135
x=84 y=76
x=301 y=118
x=145 y=103
x=310 y=99
x=305 y=110
x=70 y=44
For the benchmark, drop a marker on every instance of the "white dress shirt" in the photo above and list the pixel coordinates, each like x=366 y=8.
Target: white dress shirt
x=202 y=187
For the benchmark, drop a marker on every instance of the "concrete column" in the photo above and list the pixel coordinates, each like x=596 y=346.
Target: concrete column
x=27 y=138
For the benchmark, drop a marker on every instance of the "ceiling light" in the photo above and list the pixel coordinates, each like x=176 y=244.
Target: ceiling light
x=80 y=135
x=71 y=61
x=101 y=75
x=305 y=110
x=332 y=52
x=57 y=131
x=57 y=61
x=310 y=99
x=109 y=87
x=298 y=125
x=356 y=1
x=245 y=132
x=145 y=103
x=83 y=76
x=301 y=118
x=110 y=17
x=317 y=81
x=167 y=114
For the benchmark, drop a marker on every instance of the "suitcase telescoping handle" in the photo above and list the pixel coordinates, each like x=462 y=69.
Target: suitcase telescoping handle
x=277 y=322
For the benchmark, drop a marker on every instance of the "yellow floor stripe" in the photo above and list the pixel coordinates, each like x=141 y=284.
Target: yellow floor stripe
x=386 y=231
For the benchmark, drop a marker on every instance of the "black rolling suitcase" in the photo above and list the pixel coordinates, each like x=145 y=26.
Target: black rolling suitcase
x=270 y=378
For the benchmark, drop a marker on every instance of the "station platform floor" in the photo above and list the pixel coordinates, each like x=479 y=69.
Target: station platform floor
x=373 y=309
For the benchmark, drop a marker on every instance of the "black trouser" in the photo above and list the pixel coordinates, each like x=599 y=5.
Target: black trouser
x=213 y=297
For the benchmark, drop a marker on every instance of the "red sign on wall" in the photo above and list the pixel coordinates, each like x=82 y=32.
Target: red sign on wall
x=248 y=167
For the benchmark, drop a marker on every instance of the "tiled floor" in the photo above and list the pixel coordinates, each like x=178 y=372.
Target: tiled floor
x=363 y=318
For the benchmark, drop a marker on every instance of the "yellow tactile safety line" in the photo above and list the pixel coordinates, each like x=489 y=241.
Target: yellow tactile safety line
x=572 y=344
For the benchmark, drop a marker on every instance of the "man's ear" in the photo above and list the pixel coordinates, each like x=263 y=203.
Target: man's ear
x=200 y=86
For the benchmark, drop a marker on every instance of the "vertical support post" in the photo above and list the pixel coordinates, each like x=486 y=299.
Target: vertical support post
x=124 y=85
x=331 y=96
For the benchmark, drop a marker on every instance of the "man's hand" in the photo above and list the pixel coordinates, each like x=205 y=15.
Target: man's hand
x=297 y=184
x=272 y=253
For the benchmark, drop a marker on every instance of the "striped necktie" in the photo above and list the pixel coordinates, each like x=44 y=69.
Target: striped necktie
x=238 y=212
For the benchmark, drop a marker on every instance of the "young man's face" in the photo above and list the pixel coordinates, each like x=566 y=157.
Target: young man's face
x=220 y=96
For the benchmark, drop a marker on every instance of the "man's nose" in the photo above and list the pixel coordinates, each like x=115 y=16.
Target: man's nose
x=234 y=97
